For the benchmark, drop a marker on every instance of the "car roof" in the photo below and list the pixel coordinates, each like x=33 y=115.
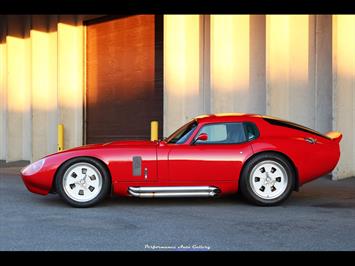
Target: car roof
x=223 y=116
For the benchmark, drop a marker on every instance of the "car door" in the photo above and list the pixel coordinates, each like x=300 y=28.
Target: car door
x=219 y=158
x=136 y=163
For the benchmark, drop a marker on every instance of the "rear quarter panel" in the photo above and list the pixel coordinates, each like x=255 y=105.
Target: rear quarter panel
x=310 y=160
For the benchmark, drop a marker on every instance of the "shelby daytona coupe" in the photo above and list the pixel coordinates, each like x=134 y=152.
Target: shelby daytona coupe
x=265 y=158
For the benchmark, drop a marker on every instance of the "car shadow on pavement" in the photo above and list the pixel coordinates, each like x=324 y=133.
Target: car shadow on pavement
x=297 y=199
x=54 y=200
x=322 y=193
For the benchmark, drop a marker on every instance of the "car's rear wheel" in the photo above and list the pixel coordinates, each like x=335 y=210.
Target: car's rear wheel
x=82 y=182
x=267 y=179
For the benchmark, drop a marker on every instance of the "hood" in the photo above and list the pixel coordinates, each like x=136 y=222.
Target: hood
x=124 y=143
x=116 y=144
x=131 y=143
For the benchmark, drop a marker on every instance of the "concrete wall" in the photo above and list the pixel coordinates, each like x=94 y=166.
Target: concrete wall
x=300 y=68
x=238 y=64
x=290 y=68
x=287 y=66
x=70 y=78
x=299 y=60
x=344 y=91
x=183 y=90
x=41 y=84
x=18 y=88
x=212 y=64
x=44 y=85
x=3 y=88
x=323 y=73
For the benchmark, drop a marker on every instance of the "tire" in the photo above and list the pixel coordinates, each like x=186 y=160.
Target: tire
x=268 y=179
x=82 y=182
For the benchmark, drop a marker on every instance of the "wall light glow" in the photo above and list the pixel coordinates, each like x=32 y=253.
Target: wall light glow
x=3 y=85
x=230 y=52
x=299 y=43
x=230 y=62
x=344 y=41
x=70 y=66
x=344 y=90
x=287 y=55
x=44 y=93
x=18 y=78
x=181 y=54
x=18 y=98
x=181 y=69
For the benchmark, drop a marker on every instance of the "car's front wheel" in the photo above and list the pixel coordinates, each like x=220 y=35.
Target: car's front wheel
x=82 y=182
x=267 y=179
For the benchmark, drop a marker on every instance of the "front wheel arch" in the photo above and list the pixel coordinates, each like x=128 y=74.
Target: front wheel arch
x=53 y=187
x=296 y=187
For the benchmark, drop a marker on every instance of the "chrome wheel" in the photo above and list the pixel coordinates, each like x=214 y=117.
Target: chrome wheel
x=82 y=182
x=268 y=179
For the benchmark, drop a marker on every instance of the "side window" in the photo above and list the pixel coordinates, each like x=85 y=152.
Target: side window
x=216 y=132
x=251 y=131
x=223 y=133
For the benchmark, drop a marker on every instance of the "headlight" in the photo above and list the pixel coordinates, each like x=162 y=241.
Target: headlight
x=33 y=167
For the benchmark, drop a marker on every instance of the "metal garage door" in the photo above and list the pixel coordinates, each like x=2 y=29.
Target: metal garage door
x=124 y=77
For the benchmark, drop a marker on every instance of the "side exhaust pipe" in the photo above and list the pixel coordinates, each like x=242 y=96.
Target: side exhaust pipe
x=164 y=192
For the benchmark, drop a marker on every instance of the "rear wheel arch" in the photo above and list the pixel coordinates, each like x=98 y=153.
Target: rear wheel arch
x=296 y=187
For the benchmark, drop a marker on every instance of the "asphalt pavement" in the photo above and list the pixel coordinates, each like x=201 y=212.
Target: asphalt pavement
x=320 y=217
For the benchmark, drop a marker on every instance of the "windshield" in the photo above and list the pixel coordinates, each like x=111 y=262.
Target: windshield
x=183 y=133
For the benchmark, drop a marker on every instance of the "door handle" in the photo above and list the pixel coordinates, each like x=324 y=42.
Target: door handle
x=310 y=140
x=145 y=173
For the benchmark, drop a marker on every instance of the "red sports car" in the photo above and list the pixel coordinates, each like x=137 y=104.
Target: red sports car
x=265 y=158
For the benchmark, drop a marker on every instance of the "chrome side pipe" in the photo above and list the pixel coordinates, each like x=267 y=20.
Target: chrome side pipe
x=164 y=192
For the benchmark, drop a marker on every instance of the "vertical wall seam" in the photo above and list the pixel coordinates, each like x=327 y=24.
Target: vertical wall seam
x=206 y=54
x=316 y=74
x=57 y=70
x=84 y=80
x=267 y=74
x=202 y=60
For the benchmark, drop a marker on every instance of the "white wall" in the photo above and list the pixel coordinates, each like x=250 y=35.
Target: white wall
x=183 y=98
x=41 y=84
x=344 y=91
x=238 y=64
x=3 y=88
x=44 y=85
x=18 y=89
x=290 y=70
x=70 y=78
x=300 y=68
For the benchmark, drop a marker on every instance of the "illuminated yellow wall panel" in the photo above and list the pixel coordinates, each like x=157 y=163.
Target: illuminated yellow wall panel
x=44 y=88
x=277 y=58
x=41 y=64
x=238 y=63
x=3 y=89
x=288 y=66
x=302 y=90
x=18 y=91
x=52 y=117
x=344 y=90
x=229 y=62
x=182 y=99
x=290 y=94
x=70 y=79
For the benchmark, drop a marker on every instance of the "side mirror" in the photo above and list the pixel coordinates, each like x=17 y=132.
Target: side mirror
x=202 y=136
x=161 y=143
